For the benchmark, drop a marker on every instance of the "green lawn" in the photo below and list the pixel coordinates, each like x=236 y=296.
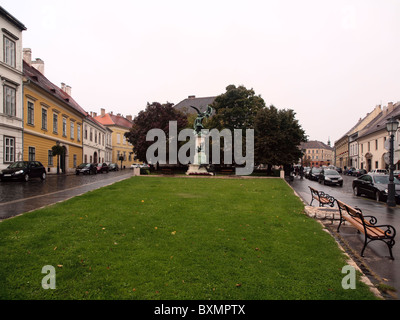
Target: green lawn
x=174 y=238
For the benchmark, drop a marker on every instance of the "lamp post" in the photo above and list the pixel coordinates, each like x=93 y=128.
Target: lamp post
x=391 y=126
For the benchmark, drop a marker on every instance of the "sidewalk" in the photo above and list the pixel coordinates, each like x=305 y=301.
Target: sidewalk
x=381 y=271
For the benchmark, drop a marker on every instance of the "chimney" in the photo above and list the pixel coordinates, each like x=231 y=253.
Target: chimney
x=68 y=90
x=129 y=118
x=38 y=64
x=94 y=114
x=103 y=112
x=63 y=86
x=28 y=56
x=192 y=97
x=390 y=107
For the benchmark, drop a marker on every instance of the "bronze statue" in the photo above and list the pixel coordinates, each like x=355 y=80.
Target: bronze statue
x=198 y=125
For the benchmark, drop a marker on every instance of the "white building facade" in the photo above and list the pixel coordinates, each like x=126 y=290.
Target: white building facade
x=11 y=89
x=96 y=141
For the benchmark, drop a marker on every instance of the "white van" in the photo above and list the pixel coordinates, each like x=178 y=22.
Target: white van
x=381 y=171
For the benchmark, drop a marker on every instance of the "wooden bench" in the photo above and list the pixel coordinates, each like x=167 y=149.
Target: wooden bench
x=227 y=170
x=368 y=227
x=322 y=197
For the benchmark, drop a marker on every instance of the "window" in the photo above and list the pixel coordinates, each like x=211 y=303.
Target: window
x=32 y=153
x=9 y=101
x=75 y=160
x=9 y=149
x=55 y=123
x=376 y=144
x=91 y=135
x=369 y=146
x=9 y=51
x=78 y=129
x=50 y=158
x=44 y=119
x=72 y=130
x=85 y=134
x=31 y=113
x=64 y=132
x=95 y=136
x=118 y=138
x=376 y=165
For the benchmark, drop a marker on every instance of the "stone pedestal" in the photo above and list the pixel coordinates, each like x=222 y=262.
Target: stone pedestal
x=200 y=158
x=194 y=169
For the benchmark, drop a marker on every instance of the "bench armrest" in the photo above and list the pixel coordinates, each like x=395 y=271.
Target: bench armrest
x=390 y=231
x=372 y=220
x=327 y=196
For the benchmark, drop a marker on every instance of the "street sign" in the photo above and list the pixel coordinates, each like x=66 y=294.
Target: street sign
x=396 y=157
x=387 y=144
x=386 y=157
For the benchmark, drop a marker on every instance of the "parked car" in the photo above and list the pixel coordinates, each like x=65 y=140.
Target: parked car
x=314 y=173
x=396 y=173
x=86 y=168
x=359 y=172
x=24 y=170
x=306 y=172
x=375 y=185
x=102 y=167
x=330 y=176
x=113 y=167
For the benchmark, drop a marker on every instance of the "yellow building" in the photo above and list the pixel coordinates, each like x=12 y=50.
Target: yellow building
x=119 y=125
x=51 y=117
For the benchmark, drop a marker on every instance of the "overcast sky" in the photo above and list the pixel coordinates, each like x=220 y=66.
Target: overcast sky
x=331 y=62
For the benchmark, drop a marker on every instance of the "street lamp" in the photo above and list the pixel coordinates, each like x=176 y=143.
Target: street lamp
x=391 y=126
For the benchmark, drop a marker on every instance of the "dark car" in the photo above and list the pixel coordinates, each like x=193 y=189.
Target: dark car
x=113 y=167
x=23 y=170
x=359 y=172
x=375 y=186
x=349 y=171
x=102 y=167
x=330 y=176
x=314 y=173
x=86 y=168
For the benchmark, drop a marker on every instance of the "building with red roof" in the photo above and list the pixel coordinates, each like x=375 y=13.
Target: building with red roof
x=119 y=125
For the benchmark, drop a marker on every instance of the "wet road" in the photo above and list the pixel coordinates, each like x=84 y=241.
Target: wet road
x=18 y=197
x=376 y=253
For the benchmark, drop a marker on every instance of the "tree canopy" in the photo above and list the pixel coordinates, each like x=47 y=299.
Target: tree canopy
x=277 y=137
x=277 y=133
x=155 y=116
x=236 y=108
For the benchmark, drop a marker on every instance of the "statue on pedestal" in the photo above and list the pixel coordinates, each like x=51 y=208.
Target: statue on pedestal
x=200 y=159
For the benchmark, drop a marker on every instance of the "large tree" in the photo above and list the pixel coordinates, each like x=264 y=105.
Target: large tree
x=236 y=108
x=156 y=116
x=278 y=135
